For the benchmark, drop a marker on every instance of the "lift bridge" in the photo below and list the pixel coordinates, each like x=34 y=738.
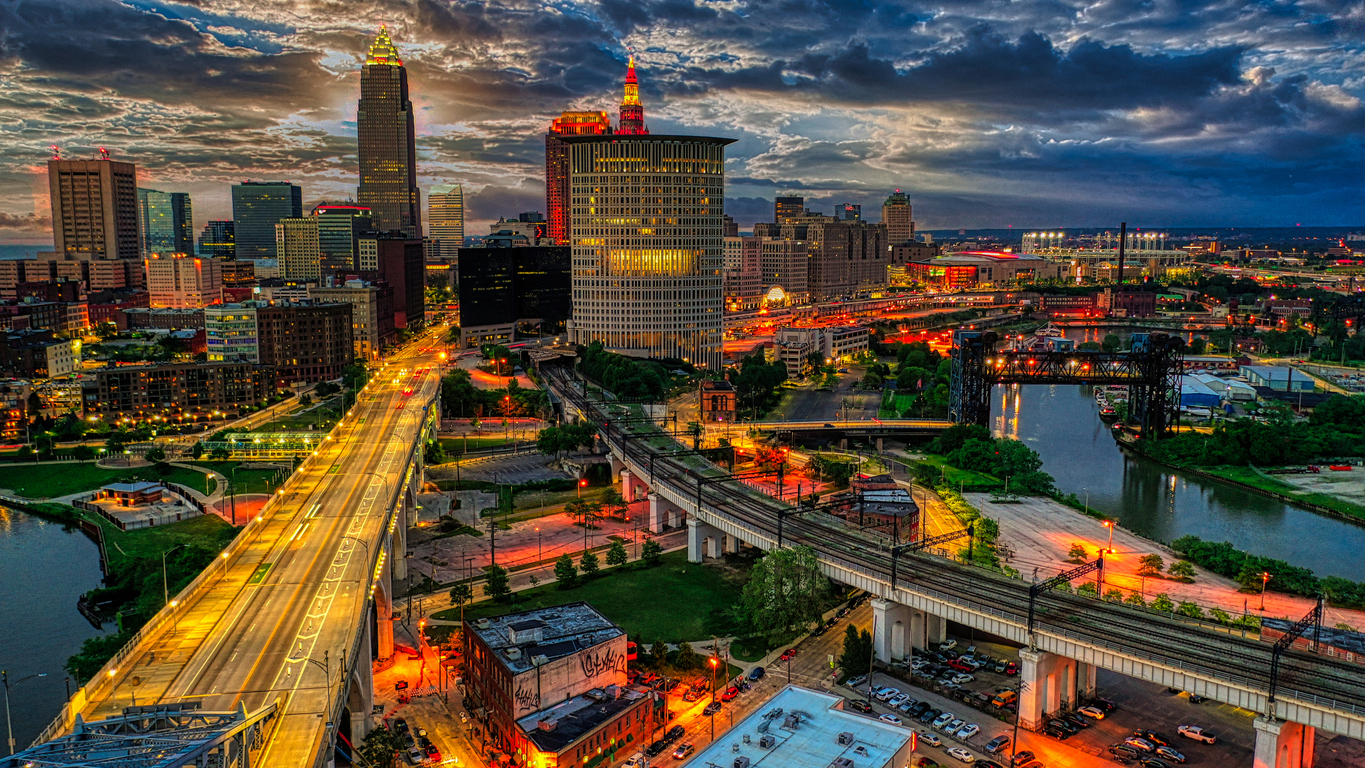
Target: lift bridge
x=1151 y=370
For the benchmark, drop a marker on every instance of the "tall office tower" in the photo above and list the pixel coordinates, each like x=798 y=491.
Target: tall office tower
x=730 y=227
x=256 y=207
x=445 y=221
x=167 y=221
x=388 y=151
x=787 y=208
x=296 y=242
x=900 y=225
x=647 y=276
x=339 y=228
x=849 y=212
x=182 y=281
x=632 y=122
x=94 y=208
x=218 y=241
x=557 y=166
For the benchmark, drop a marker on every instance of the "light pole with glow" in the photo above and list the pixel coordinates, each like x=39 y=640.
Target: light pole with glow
x=1110 y=525
x=1265 y=579
x=9 y=726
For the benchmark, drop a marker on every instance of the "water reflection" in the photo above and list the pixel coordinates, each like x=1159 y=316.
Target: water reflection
x=1062 y=423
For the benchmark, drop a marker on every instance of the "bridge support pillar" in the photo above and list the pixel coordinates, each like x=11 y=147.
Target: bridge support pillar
x=631 y=486
x=360 y=697
x=1049 y=684
x=1087 y=681
x=892 y=629
x=383 y=609
x=654 y=521
x=879 y=445
x=1282 y=744
x=616 y=466
x=702 y=541
x=732 y=544
x=935 y=630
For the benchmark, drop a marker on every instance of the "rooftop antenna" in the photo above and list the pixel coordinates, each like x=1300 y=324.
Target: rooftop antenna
x=56 y=152
x=104 y=153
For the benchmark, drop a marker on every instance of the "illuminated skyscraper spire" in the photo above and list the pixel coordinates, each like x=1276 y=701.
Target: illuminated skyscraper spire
x=382 y=50
x=632 y=122
x=385 y=133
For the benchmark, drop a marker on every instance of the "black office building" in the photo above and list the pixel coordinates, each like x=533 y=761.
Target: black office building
x=506 y=289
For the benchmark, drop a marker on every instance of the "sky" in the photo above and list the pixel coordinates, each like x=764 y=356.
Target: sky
x=987 y=113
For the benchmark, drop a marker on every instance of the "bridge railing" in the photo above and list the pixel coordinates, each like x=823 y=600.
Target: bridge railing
x=250 y=533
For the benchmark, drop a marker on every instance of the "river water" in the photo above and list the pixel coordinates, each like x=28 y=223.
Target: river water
x=1062 y=424
x=44 y=569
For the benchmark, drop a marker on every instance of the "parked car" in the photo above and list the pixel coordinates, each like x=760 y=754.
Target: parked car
x=1074 y=719
x=1196 y=699
x=947 y=645
x=886 y=693
x=757 y=673
x=889 y=718
x=1020 y=758
x=926 y=762
x=1000 y=665
x=1124 y=751
x=1196 y=733
x=920 y=708
x=1152 y=736
x=930 y=716
x=683 y=751
x=692 y=694
x=712 y=708
x=434 y=754
x=958 y=753
x=1140 y=744
x=963 y=678
x=788 y=654
x=907 y=705
x=986 y=764
x=943 y=719
x=674 y=733
x=1069 y=727
x=961 y=666
x=730 y=693
x=1104 y=704
x=1170 y=753
x=414 y=756
x=1011 y=669
x=998 y=744
x=898 y=699
x=1055 y=730
x=968 y=731
x=1094 y=713
x=635 y=761
x=931 y=739
x=853 y=682
x=859 y=705
x=1152 y=762
x=656 y=749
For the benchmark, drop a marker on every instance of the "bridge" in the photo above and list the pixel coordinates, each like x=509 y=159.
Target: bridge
x=1067 y=637
x=789 y=430
x=284 y=626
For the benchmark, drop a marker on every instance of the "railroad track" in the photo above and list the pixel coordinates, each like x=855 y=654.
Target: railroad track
x=1171 y=641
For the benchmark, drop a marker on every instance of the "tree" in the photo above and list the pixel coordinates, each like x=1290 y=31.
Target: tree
x=1136 y=599
x=658 y=654
x=1110 y=343
x=381 y=747
x=695 y=430
x=461 y=593
x=1088 y=589
x=1113 y=595
x=857 y=656
x=686 y=658
x=1197 y=345
x=1189 y=609
x=155 y=455
x=613 y=503
x=197 y=450
x=566 y=572
x=497 y=584
x=588 y=562
x=652 y=553
x=616 y=555
x=220 y=454
x=1151 y=565
x=1077 y=553
x=786 y=591
x=1182 y=570
x=1162 y=603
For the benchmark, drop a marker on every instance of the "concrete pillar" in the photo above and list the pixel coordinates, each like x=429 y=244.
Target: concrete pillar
x=616 y=466
x=1049 y=684
x=891 y=629
x=879 y=445
x=1282 y=744
x=732 y=544
x=360 y=698
x=696 y=533
x=657 y=509
x=398 y=541
x=675 y=516
x=713 y=543
x=627 y=485
x=843 y=443
x=1086 y=681
x=383 y=608
x=936 y=627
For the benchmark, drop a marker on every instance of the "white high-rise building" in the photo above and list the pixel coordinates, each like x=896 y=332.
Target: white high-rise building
x=181 y=281
x=445 y=220
x=648 y=240
x=299 y=248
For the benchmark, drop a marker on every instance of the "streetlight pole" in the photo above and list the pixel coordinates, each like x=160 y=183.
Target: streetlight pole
x=165 y=591
x=1265 y=579
x=1110 y=525
x=9 y=726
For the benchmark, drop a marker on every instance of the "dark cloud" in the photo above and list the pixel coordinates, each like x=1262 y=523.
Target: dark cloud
x=25 y=223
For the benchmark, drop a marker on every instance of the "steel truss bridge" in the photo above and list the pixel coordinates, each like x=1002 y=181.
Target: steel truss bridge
x=158 y=736
x=1197 y=655
x=1151 y=371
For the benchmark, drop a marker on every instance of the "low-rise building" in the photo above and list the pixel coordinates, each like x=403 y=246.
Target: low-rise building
x=301 y=341
x=141 y=318
x=802 y=728
x=180 y=281
x=103 y=306
x=1280 y=379
x=548 y=685
x=841 y=342
x=717 y=401
x=38 y=354
x=794 y=348
x=189 y=390
x=230 y=333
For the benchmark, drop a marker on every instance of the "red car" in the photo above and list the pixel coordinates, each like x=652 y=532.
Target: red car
x=433 y=753
x=788 y=654
x=729 y=694
x=1011 y=669
x=960 y=667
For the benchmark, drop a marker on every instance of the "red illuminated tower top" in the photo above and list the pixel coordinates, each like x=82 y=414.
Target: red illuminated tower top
x=632 y=122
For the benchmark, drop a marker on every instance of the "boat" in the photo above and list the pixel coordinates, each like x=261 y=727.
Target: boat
x=1108 y=413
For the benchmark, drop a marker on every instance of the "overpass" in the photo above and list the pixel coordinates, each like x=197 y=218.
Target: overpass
x=789 y=430
x=283 y=627
x=1072 y=637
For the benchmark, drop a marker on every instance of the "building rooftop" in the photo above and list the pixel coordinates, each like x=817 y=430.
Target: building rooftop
x=553 y=632
x=587 y=138
x=806 y=728
x=1337 y=638
x=131 y=487
x=1276 y=373
x=570 y=720
x=977 y=257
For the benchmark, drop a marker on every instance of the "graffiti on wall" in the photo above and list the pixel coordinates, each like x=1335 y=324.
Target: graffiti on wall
x=526 y=699
x=598 y=661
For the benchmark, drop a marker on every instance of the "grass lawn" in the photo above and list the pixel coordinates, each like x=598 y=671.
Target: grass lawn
x=531 y=500
x=248 y=480
x=53 y=480
x=207 y=531
x=455 y=446
x=635 y=599
x=1246 y=476
x=321 y=418
x=892 y=407
x=956 y=476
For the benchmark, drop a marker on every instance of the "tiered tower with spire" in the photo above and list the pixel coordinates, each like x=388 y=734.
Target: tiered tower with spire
x=388 y=152
x=632 y=122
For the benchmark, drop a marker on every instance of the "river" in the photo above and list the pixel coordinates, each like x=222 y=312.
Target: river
x=43 y=569
x=1062 y=424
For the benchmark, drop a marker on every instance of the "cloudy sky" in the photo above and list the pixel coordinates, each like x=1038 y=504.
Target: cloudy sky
x=989 y=113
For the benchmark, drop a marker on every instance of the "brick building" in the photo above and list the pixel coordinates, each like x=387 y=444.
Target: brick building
x=195 y=391
x=305 y=341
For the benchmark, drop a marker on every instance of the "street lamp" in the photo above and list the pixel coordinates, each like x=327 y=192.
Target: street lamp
x=581 y=483
x=165 y=591
x=1110 y=525
x=9 y=727
x=540 y=555
x=1265 y=579
x=715 y=664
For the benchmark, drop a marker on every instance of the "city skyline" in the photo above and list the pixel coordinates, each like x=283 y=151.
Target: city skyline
x=1039 y=116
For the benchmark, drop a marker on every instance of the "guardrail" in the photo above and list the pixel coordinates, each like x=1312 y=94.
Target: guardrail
x=248 y=535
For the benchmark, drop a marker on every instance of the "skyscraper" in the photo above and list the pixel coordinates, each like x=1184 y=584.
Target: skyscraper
x=218 y=240
x=896 y=215
x=388 y=154
x=445 y=220
x=647 y=276
x=632 y=122
x=256 y=207
x=787 y=208
x=339 y=228
x=94 y=208
x=849 y=212
x=183 y=281
x=557 y=166
x=299 y=253
x=167 y=221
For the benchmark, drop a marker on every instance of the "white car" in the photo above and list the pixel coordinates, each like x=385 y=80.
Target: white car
x=892 y=719
x=854 y=682
x=956 y=723
x=636 y=760
x=930 y=739
x=947 y=645
x=1094 y=713
x=887 y=693
x=944 y=719
x=958 y=753
x=1196 y=733
x=968 y=731
x=963 y=678
x=898 y=700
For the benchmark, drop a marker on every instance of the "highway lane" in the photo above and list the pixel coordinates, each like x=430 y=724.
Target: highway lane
x=295 y=591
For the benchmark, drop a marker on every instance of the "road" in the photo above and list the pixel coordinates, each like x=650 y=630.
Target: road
x=285 y=608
